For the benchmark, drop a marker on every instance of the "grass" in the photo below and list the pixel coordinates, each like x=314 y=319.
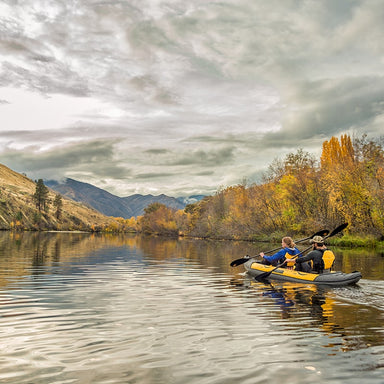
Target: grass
x=352 y=241
x=346 y=241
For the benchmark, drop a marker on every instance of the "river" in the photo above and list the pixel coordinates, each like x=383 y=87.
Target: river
x=92 y=308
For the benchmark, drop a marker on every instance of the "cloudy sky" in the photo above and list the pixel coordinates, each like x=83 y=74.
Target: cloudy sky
x=183 y=97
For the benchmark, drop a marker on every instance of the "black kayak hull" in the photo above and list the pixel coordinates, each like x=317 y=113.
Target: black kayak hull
x=331 y=279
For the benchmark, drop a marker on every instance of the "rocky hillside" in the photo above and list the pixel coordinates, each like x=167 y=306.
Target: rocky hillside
x=18 y=210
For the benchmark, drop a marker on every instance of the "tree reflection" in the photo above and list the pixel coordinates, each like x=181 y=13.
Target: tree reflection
x=348 y=324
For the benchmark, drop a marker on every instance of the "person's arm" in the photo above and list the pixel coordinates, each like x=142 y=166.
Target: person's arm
x=278 y=255
x=308 y=257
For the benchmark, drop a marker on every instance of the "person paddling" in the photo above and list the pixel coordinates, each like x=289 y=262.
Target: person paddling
x=287 y=251
x=316 y=256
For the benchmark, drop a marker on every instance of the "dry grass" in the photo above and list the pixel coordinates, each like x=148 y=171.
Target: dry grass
x=17 y=209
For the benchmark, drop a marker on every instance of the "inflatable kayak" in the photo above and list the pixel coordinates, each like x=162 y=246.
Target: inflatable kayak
x=333 y=279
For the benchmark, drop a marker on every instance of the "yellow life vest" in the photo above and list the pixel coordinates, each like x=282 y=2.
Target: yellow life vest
x=290 y=263
x=328 y=258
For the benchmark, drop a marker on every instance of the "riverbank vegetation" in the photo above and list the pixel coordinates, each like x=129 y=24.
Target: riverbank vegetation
x=298 y=195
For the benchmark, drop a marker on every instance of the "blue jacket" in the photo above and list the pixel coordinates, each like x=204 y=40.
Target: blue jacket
x=280 y=255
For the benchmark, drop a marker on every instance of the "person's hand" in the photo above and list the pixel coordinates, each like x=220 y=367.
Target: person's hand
x=261 y=254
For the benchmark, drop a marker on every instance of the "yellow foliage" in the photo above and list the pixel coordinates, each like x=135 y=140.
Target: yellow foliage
x=347 y=187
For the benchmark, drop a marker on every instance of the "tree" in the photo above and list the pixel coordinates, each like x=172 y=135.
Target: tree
x=58 y=204
x=338 y=168
x=158 y=219
x=40 y=196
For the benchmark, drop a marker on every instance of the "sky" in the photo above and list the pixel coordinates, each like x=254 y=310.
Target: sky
x=183 y=97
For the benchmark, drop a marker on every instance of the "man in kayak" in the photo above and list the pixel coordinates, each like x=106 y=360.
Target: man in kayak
x=316 y=256
x=287 y=251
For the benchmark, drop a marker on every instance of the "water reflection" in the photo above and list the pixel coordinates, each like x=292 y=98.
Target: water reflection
x=22 y=252
x=48 y=248
x=309 y=306
x=146 y=309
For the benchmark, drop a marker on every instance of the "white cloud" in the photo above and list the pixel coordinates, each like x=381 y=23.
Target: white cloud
x=25 y=110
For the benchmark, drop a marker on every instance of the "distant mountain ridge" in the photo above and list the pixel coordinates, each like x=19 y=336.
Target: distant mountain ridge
x=112 y=205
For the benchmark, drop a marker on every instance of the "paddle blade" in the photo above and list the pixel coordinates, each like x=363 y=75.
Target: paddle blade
x=338 y=229
x=322 y=233
x=240 y=261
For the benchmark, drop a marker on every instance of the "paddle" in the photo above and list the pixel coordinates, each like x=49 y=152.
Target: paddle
x=244 y=259
x=333 y=233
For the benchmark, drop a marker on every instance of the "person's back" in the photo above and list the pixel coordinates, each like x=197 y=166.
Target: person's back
x=315 y=257
x=288 y=249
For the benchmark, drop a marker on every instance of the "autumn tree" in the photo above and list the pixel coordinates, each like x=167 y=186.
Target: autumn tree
x=345 y=178
x=298 y=194
x=370 y=157
x=291 y=192
x=158 y=219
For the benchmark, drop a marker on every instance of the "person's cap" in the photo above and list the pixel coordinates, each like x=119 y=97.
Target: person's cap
x=317 y=239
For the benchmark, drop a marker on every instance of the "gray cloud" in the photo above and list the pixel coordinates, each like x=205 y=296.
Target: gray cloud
x=181 y=97
x=153 y=175
x=203 y=158
x=94 y=157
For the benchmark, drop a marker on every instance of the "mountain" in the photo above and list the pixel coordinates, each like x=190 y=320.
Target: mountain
x=103 y=201
x=17 y=208
x=190 y=199
x=139 y=202
x=112 y=205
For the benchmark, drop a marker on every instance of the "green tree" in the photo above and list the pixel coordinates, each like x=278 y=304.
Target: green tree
x=40 y=196
x=58 y=204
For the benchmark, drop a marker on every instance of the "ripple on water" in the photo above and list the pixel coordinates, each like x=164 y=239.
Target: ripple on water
x=167 y=322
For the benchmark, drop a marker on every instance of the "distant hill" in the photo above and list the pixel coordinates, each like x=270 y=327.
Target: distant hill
x=139 y=202
x=17 y=208
x=103 y=201
x=112 y=205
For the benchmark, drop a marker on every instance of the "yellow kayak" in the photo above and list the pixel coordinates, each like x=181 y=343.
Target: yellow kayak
x=334 y=279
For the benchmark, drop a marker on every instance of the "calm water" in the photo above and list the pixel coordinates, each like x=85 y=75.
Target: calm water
x=81 y=308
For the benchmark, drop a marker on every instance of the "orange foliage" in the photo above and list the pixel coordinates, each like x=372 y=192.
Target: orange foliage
x=299 y=195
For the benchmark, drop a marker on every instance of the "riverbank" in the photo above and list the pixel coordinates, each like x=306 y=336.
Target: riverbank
x=345 y=241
